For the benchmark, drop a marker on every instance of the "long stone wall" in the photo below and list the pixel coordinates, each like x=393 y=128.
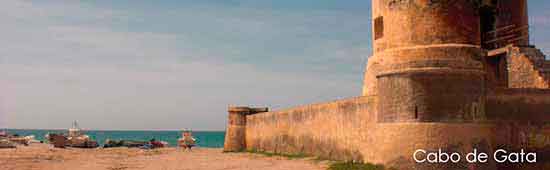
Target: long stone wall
x=349 y=130
x=334 y=130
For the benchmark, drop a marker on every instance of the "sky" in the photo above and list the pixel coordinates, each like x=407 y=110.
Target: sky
x=175 y=64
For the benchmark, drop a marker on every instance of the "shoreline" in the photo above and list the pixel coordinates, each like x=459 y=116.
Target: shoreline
x=205 y=139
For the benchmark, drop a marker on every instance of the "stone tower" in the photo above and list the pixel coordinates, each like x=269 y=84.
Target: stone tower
x=428 y=75
x=427 y=61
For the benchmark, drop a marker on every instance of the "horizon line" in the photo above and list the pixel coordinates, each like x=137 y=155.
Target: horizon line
x=84 y=129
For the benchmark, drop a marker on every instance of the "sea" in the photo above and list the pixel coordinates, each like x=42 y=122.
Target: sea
x=206 y=139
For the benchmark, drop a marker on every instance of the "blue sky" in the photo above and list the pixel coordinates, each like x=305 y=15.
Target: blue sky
x=173 y=64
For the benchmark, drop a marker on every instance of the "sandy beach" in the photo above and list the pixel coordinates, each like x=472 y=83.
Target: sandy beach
x=45 y=157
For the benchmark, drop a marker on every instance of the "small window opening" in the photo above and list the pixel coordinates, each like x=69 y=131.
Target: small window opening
x=378 y=27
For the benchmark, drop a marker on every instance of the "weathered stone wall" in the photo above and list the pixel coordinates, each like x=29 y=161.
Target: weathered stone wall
x=513 y=22
x=347 y=130
x=416 y=98
x=418 y=45
x=370 y=82
x=406 y=23
x=520 y=105
x=335 y=130
x=527 y=68
x=433 y=83
x=393 y=144
x=399 y=24
x=504 y=22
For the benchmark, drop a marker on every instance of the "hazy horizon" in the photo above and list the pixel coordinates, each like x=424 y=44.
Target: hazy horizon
x=84 y=129
x=176 y=64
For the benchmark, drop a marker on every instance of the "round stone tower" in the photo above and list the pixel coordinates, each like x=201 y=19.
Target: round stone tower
x=426 y=65
x=427 y=77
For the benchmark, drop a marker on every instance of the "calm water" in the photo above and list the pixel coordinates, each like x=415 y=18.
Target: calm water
x=204 y=139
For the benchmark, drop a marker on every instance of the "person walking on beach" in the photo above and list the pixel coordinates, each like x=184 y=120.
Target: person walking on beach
x=187 y=141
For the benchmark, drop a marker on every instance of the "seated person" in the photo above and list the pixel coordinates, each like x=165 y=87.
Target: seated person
x=187 y=141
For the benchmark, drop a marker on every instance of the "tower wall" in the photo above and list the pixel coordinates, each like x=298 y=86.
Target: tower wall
x=393 y=144
x=429 y=59
x=513 y=18
x=419 y=24
x=504 y=22
x=404 y=24
x=430 y=81
x=431 y=84
x=236 y=127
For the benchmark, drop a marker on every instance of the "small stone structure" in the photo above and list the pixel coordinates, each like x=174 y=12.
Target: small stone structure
x=444 y=74
x=235 y=133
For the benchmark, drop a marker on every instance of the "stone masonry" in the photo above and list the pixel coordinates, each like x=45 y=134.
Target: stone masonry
x=444 y=74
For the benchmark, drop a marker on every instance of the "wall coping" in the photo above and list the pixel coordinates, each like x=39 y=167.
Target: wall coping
x=350 y=99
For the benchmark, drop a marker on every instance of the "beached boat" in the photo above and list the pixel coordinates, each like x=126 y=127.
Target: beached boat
x=5 y=143
x=19 y=140
x=152 y=144
x=32 y=139
x=123 y=143
x=16 y=139
x=74 y=138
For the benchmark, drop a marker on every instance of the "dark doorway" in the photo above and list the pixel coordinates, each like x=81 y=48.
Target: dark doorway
x=488 y=25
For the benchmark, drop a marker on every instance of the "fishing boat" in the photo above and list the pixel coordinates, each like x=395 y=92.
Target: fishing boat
x=16 y=139
x=6 y=144
x=123 y=143
x=22 y=140
x=75 y=137
x=4 y=141
x=152 y=144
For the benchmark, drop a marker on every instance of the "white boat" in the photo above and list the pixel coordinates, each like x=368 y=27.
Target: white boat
x=5 y=143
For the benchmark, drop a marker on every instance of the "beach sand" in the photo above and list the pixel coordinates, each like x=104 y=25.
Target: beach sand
x=45 y=157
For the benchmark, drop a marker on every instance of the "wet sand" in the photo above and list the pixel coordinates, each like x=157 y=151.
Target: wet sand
x=45 y=157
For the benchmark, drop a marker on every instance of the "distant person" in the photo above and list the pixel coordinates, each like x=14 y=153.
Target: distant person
x=187 y=142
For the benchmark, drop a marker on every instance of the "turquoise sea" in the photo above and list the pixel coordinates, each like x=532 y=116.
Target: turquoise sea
x=208 y=139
